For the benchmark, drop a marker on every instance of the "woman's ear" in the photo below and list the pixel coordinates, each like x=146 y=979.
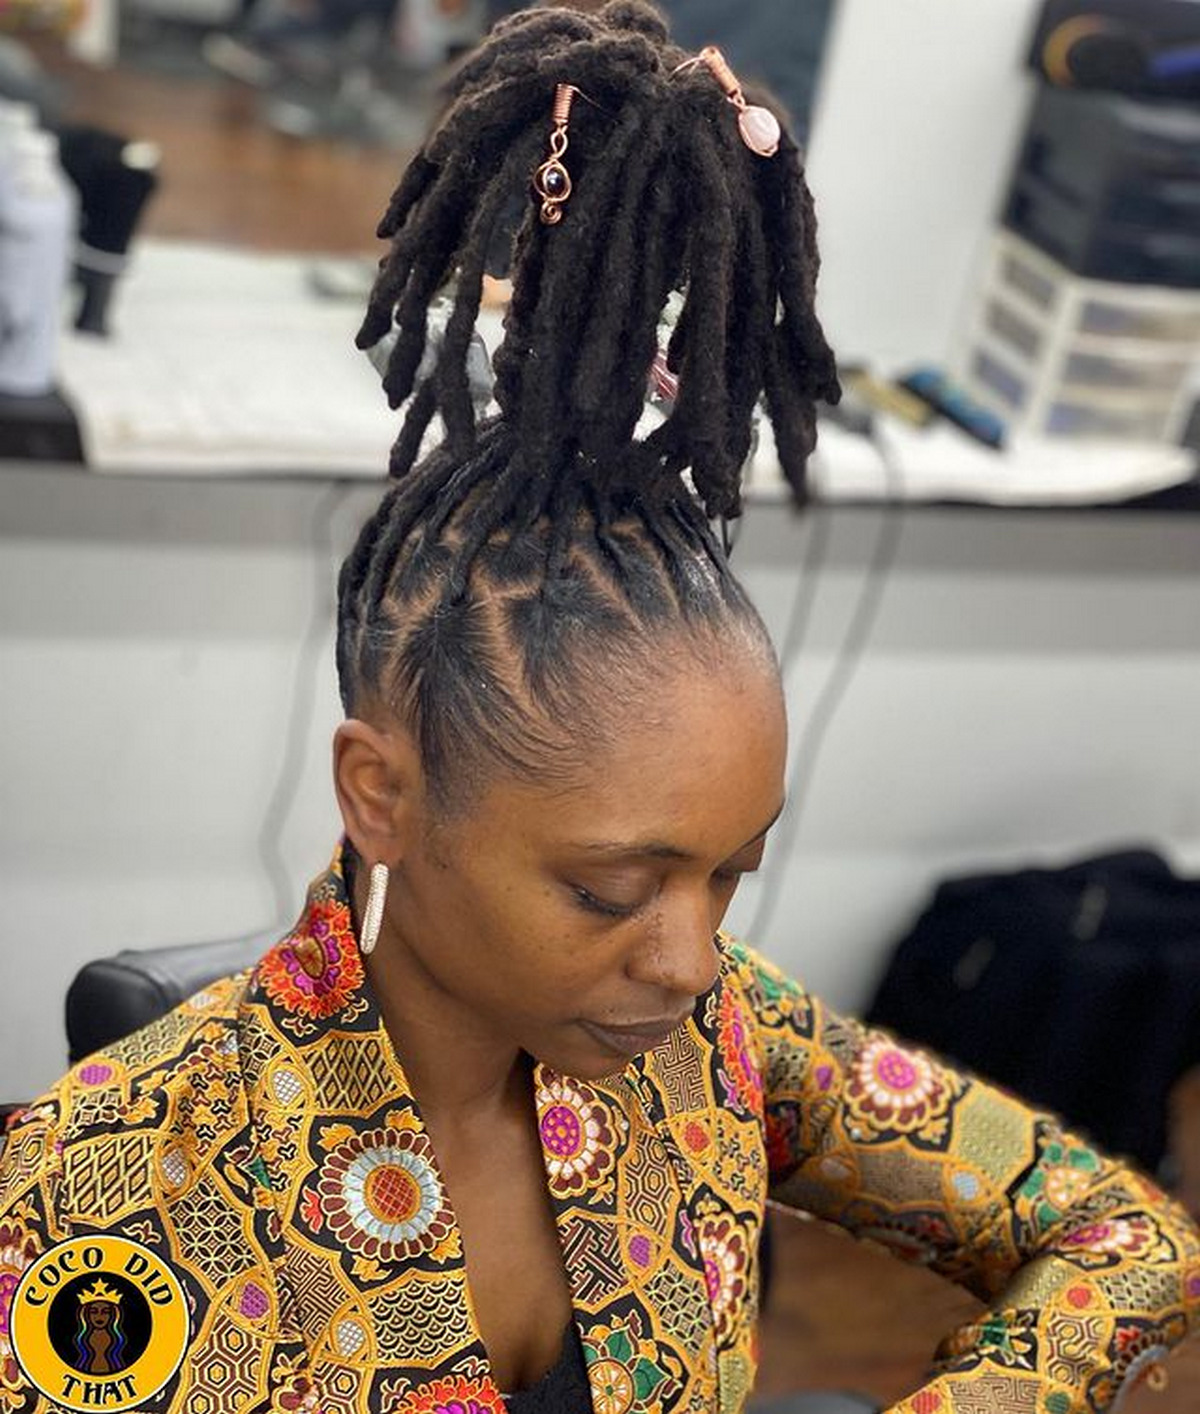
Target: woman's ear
x=377 y=777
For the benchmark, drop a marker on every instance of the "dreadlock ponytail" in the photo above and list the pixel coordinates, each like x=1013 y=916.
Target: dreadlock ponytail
x=583 y=532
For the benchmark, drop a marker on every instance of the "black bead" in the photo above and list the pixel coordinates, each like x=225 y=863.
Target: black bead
x=554 y=181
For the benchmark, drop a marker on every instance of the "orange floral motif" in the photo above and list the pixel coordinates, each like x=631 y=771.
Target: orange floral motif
x=737 y=1057
x=318 y=968
x=454 y=1396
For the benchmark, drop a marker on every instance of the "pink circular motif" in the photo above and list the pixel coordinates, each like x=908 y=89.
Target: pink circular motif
x=1193 y=1286
x=254 y=1303
x=578 y=1143
x=894 y=1090
x=895 y=1070
x=561 y=1131
x=96 y=1073
x=640 y=1250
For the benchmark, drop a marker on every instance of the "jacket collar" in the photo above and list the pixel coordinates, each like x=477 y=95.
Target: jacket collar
x=365 y=1199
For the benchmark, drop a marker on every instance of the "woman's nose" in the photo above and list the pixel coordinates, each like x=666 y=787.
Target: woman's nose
x=679 y=953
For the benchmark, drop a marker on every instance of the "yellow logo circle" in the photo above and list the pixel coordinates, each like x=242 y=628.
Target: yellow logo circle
x=99 y=1323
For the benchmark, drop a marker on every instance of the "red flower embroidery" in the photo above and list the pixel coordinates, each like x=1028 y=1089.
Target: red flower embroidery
x=733 y=1043
x=316 y=970
x=454 y=1396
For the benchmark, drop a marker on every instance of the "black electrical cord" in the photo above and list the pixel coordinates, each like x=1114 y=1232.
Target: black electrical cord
x=841 y=675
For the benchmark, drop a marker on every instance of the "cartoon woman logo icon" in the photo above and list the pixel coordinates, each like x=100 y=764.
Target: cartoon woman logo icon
x=100 y=1338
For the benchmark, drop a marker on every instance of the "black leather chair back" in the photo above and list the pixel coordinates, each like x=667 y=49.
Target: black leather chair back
x=115 y=995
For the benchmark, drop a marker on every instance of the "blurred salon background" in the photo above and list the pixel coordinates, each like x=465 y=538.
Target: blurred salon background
x=988 y=613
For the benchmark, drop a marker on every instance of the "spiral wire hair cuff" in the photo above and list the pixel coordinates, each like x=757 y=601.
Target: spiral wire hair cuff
x=552 y=181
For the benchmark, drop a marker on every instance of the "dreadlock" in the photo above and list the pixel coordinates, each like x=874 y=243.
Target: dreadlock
x=548 y=538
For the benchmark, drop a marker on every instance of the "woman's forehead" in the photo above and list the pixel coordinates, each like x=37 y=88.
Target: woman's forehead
x=685 y=771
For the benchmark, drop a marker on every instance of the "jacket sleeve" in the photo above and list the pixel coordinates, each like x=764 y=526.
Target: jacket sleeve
x=130 y=1143
x=1089 y=1271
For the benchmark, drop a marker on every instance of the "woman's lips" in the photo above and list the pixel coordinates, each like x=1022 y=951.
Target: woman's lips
x=633 y=1040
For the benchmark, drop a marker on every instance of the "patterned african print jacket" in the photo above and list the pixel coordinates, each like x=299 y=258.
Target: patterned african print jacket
x=261 y=1143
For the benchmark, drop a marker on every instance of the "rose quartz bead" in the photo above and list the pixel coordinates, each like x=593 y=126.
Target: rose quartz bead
x=760 y=130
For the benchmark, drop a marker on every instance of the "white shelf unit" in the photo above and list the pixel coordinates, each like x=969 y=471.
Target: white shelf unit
x=1055 y=354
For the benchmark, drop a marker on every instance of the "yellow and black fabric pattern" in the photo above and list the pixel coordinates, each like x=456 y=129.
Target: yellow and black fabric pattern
x=260 y=1147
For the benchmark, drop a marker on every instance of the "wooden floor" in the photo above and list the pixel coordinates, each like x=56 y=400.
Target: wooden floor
x=225 y=176
x=842 y=1316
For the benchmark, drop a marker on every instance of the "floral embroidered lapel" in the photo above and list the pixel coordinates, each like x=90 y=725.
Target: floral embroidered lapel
x=657 y=1180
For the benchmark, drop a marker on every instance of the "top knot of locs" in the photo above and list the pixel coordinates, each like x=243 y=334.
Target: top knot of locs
x=665 y=196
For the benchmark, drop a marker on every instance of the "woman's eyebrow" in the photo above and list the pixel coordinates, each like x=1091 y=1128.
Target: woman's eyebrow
x=659 y=849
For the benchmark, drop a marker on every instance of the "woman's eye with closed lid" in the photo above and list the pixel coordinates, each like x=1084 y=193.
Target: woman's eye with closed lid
x=609 y=908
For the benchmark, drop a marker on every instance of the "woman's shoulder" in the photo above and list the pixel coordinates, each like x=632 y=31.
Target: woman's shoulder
x=116 y=1111
x=765 y=986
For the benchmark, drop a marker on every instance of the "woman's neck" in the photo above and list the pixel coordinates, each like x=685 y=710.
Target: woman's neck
x=459 y=1073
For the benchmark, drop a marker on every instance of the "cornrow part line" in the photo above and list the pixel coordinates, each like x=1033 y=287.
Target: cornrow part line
x=427 y=486
x=635 y=576
x=697 y=532
x=566 y=501
x=481 y=524
x=663 y=539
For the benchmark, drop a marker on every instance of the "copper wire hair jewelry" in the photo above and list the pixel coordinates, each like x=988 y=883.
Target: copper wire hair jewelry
x=758 y=126
x=552 y=181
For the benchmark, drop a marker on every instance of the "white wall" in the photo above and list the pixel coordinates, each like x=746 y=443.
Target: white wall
x=1033 y=684
x=918 y=116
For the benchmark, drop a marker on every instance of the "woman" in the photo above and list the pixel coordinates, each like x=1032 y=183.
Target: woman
x=506 y=1079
